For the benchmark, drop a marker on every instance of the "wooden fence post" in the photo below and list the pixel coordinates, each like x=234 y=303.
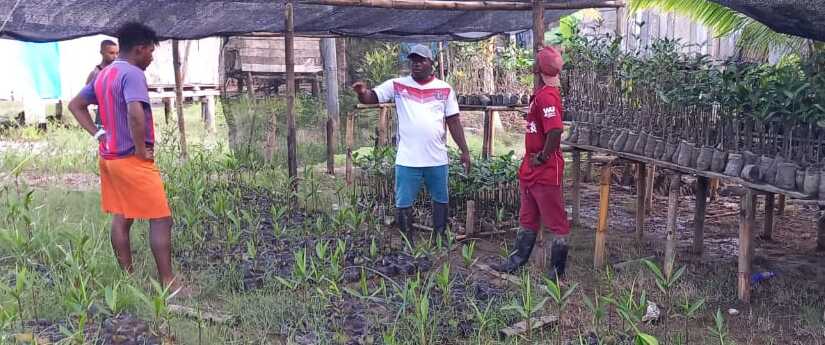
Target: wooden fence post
x=699 y=216
x=641 y=202
x=179 y=95
x=767 y=229
x=577 y=166
x=471 y=215
x=672 y=216
x=601 y=228
x=746 y=222
x=349 y=137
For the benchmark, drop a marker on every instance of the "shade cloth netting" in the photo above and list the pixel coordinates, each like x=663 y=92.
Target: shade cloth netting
x=50 y=20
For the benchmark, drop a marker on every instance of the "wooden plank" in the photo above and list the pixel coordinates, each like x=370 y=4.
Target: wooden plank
x=179 y=95
x=472 y=5
x=676 y=167
x=291 y=141
x=184 y=94
x=746 y=223
x=641 y=199
x=699 y=216
x=577 y=162
x=520 y=328
x=349 y=138
x=264 y=68
x=767 y=227
x=672 y=215
x=601 y=228
x=470 y=227
x=463 y=107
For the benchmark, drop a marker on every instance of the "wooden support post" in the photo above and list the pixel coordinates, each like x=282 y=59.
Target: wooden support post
x=746 y=223
x=330 y=60
x=494 y=118
x=820 y=230
x=699 y=215
x=349 y=137
x=58 y=110
x=601 y=227
x=486 y=140
x=672 y=215
x=291 y=142
x=641 y=200
x=767 y=227
x=179 y=95
x=780 y=207
x=713 y=190
x=651 y=177
x=577 y=166
x=382 y=126
x=315 y=87
x=208 y=112
x=250 y=87
x=441 y=60
x=538 y=37
x=471 y=218
x=587 y=174
x=167 y=109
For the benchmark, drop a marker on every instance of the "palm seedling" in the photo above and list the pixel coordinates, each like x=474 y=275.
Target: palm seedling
x=560 y=297
x=527 y=305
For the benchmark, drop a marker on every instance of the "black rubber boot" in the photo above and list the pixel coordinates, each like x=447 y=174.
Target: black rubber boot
x=440 y=214
x=405 y=224
x=558 y=260
x=524 y=246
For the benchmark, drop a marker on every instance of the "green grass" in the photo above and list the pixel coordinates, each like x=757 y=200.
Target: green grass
x=62 y=237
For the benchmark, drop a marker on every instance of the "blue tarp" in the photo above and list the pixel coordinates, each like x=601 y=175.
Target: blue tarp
x=43 y=64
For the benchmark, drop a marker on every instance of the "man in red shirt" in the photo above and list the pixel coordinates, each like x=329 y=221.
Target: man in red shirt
x=542 y=170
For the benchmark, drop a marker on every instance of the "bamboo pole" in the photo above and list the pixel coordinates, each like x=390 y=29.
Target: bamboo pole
x=601 y=228
x=699 y=215
x=820 y=230
x=441 y=60
x=292 y=145
x=179 y=96
x=641 y=203
x=746 y=222
x=487 y=139
x=672 y=215
x=470 y=5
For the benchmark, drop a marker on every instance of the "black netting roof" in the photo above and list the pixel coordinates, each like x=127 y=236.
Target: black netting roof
x=49 y=20
x=805 y=18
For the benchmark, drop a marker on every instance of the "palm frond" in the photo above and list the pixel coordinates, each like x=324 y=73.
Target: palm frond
x=720 y=19
x=757 y=41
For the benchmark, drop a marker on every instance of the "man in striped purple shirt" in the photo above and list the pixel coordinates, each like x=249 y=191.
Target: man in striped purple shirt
x=131 y=186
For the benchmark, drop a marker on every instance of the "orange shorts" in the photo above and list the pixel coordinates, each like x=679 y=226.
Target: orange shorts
x=132 y=188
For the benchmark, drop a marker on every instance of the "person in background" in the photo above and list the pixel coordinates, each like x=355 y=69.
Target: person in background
x=542 y=171
x=108 y=54
x=424 y=105
x=130 y=183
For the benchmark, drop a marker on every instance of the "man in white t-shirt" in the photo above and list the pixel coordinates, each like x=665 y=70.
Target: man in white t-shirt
x=423 y=104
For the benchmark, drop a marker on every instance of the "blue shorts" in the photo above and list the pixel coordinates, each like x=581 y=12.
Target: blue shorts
x=408 y=183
